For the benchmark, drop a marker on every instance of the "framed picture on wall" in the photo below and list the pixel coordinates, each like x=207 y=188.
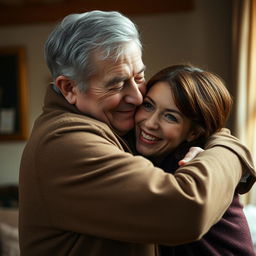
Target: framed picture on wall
x=13 y=94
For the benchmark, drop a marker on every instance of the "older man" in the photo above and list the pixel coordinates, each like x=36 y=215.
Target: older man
x=82 y=192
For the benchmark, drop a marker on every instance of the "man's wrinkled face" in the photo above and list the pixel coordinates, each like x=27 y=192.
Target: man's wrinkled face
x=115 y=91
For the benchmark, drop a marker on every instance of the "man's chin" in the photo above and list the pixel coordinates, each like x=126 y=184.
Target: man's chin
x=124 y=128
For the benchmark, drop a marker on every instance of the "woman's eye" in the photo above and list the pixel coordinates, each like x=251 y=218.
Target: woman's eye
x=147 y=105
x=171 y=118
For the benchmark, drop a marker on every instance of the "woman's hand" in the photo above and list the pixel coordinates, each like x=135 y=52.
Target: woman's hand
x=192 y=153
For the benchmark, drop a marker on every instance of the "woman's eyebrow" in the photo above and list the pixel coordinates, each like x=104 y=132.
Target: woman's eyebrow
x=147 y=97
x=167 y=109
x=175 y=111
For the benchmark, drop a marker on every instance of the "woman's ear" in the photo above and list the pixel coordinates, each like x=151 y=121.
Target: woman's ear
x=67 y=88
x=194 y=133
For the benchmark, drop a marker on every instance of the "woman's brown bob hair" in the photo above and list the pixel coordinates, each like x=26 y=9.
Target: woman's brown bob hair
x=200 y=95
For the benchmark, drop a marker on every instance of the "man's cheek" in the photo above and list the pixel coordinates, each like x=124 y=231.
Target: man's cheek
x=143 y=89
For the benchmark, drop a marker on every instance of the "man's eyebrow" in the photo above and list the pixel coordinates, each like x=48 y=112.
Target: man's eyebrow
x=142 y=70
x=115 y=80
x=118 y=79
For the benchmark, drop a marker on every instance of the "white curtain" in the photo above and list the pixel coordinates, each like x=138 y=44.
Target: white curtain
x=244 y=74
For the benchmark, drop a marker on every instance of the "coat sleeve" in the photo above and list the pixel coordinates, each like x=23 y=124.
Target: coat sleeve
x=89 y=185
x=225 y=139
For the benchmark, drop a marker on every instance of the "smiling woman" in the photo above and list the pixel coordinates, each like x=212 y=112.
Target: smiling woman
x=183 y=106
x=161 y=126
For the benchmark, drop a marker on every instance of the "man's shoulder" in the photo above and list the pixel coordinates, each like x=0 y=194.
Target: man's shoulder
x=58 y=120
x=84 y=120
x=68 y=125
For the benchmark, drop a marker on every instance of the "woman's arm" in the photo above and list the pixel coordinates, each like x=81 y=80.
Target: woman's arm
x=192 y=153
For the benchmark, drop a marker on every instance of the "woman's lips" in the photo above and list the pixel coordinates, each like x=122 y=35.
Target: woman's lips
x=148 y=138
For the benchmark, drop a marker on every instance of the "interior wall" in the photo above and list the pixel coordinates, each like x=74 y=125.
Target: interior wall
x=201 y=37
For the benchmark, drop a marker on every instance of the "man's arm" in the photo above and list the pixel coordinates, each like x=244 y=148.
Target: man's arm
x=95 y=188
x=225 y=139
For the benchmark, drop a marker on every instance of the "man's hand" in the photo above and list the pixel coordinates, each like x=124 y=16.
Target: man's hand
x=192 y=153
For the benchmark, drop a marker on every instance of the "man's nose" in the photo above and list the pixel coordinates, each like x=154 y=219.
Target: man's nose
x=134 y=94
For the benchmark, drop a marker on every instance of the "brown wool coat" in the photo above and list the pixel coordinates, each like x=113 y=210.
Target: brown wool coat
x=82 y=194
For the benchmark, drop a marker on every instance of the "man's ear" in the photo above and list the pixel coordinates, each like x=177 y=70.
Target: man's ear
x=67 y=87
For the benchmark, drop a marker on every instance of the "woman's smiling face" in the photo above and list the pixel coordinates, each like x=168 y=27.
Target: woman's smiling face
x=160 y=126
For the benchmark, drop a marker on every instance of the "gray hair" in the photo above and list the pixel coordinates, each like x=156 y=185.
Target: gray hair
x=69 y=48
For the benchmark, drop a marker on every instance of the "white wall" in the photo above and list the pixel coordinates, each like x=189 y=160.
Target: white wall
x=201 y=37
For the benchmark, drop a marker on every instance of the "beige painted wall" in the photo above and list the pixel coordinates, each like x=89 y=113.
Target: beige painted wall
x=201 y=37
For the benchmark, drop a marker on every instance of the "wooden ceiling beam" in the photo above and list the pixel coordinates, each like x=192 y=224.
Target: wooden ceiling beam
x=38 y=12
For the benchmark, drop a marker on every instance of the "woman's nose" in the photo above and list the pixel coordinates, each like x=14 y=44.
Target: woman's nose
x=152 y=121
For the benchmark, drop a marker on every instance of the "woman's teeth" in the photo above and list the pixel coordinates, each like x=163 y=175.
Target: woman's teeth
x=148 y=137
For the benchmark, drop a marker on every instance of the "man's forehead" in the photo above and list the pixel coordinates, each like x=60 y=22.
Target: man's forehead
x=121 y=67
x=130 y=57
